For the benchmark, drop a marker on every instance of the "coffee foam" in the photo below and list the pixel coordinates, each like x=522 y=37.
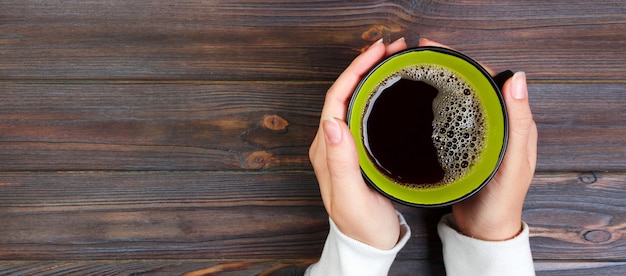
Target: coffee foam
x=458 y=124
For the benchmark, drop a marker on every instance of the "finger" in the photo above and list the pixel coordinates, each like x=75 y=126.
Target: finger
x=428 y=42
x=317 y=155
x=335 y=104
x=532 y=146
x=395 y=46
x=521 y=123
x=342 y=159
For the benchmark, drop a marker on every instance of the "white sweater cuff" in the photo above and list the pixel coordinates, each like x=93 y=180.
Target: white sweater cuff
x=343 y=255
x=464 y=255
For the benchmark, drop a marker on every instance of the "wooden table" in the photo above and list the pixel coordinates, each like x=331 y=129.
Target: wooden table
x=170 y=137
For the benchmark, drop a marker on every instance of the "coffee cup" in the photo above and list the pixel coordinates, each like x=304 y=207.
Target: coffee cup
x=430 y=126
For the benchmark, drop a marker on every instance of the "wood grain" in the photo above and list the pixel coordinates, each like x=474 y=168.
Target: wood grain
x=170 y=138
x=580 y=126
x=305 y=40
x=160 y=215
x=156 y=267
x=596 y=226
x=188 y=215
x=158 y=126
x=579 y=268
x=265 y=268
x=250 y=126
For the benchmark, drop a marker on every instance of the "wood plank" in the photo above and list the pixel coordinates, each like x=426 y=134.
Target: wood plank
x=222 y=215
x=542 y=268
x=156 y=267
x=304 y=40
x=250 y=126
x=268 y=268
x=577 y=217
x=160 y=215
x=580 y=268
x=229 y=126
x=580 y=126
x=193 y=268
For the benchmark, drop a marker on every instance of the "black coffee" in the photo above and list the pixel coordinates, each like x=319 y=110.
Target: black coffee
x=423 y=127
x=398 y=133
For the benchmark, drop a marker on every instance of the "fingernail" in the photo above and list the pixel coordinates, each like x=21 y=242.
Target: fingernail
x=367 y=48
x=423 y=40
x=332 y=131
x=519 y=90
x=399 y=39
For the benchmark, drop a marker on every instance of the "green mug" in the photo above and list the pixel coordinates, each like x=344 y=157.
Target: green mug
x=430 y=126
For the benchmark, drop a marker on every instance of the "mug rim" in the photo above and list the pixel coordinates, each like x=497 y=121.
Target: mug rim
x=502 y=105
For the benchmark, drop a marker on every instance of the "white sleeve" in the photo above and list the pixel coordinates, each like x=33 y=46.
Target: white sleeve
x=464 y=255
x=343 y=255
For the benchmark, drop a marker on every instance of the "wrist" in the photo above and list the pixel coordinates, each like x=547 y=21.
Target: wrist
x=491 y=231
x=383 y=237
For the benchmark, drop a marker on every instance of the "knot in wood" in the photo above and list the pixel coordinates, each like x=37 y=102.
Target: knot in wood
x=275 y=123
x=259 y=160
x=597 y=236
x=588 y=178
x=376 y=32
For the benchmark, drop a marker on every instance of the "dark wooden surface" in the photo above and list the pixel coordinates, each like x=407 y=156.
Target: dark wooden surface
x=170 y=137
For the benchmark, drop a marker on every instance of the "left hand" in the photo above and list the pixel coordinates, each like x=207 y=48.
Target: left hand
x=358 y=211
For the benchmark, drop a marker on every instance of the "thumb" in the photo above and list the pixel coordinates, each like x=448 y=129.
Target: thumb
x=520 y=116
x=342 y=157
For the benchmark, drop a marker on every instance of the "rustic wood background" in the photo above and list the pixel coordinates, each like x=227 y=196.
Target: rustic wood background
x=170 y=137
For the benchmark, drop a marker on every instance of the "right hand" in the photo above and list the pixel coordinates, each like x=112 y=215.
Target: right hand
x=495 y=212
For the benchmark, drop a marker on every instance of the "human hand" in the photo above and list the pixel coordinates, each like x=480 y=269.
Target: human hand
x=358 y=211
x=495 y=212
